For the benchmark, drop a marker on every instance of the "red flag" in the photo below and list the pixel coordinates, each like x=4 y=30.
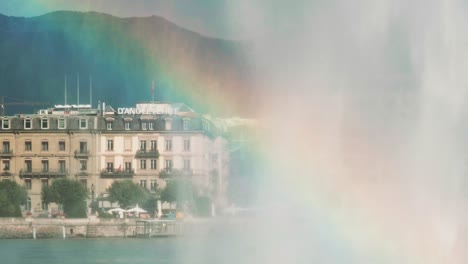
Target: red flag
x=152 y=87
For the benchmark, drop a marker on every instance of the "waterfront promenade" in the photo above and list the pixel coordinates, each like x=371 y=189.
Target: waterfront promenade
x=29 y=228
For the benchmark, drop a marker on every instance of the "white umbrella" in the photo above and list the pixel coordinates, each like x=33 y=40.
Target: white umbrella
x=136 y=209
x=117 y=210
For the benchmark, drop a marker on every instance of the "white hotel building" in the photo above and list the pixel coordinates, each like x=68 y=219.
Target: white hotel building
x=150 y=144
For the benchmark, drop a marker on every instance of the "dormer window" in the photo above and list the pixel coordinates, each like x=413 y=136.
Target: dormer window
x=6 y=123
x=127 y=123
x=27 y=123
x=109 y=125
x=168 y=123
x=45 y=123
x=61 y=123
x=206 y=126
x=144 y=125
x=150 y=125
x=186 y=124
x=83 y=123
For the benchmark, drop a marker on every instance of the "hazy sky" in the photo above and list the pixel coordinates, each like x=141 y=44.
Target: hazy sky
x=207 y=16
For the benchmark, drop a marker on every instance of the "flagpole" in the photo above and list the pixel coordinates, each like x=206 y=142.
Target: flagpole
x=152 y=91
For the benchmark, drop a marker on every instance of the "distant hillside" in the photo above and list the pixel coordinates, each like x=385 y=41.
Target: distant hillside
x=123 y=55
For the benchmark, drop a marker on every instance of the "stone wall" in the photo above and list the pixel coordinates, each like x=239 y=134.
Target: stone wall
x=16 y=228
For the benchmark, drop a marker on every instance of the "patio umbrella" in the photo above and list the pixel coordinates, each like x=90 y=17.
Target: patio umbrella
x=117 y=210
x=120 y=211
x=136 y=209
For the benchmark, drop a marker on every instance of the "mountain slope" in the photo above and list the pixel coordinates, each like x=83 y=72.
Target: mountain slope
x=123 y=55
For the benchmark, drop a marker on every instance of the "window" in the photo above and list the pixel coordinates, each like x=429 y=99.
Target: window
x=186 y=164
x=27 y=146
x=45 y=146
x=143 y=125
x=168 y=165
x=154 y=145
x=154 y=164
x=28 y=206
x=45 y=166
x=110 y=167
x=6 y=165
x=83 y=147
x=127 y=125
x=143 y=183
x=27 y=123
x=206 y=126
x=28 y=165
x=61 y=145
x=6 y=123
x=128 y=166
x=143 y=145
x=186 y=124
x=153 y=185
x=168 y=124
x=150 y=125
x=110 y=144
x=28 y=185
x=143 y=164
x=62 y=167
x=83 y=123
x=168 y=144
x=186 y=144
x=83 y=165
x=44 y=123
x=6 y=147
x=84 y=182
x=44 y=206
x=109 y=125
x=45 y=182
x=61 y=123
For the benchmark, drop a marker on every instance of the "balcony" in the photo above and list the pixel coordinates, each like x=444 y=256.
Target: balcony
x=6 y=173
x=117 y=174
x=147 y=154
x=42 y=173
x=82 y=173
x=6 y=154
x=81 y=154
x=174 y=173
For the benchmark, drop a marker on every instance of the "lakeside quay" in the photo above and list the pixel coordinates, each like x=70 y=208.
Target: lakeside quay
x=25 y=228
x=30 y=228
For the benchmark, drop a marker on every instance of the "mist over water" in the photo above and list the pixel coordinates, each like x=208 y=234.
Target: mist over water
x=365 y=110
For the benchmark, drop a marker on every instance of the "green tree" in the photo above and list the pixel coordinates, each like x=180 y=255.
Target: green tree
x=11 y=197
x=177 y=190
x=127 y=193
x=69 y=193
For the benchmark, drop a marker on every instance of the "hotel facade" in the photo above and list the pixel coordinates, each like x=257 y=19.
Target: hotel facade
x=150 y=144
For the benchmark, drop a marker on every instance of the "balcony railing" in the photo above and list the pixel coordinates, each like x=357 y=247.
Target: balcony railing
x=6 y=173
x=144 y=154
x=111 y=173
x=171 y=173
x=43 y=173
x=81 y=154
x=82 y=173
x=6 y=153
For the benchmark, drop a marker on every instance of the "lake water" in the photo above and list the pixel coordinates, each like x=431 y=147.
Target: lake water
x=130 y=250
x=215 y=245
